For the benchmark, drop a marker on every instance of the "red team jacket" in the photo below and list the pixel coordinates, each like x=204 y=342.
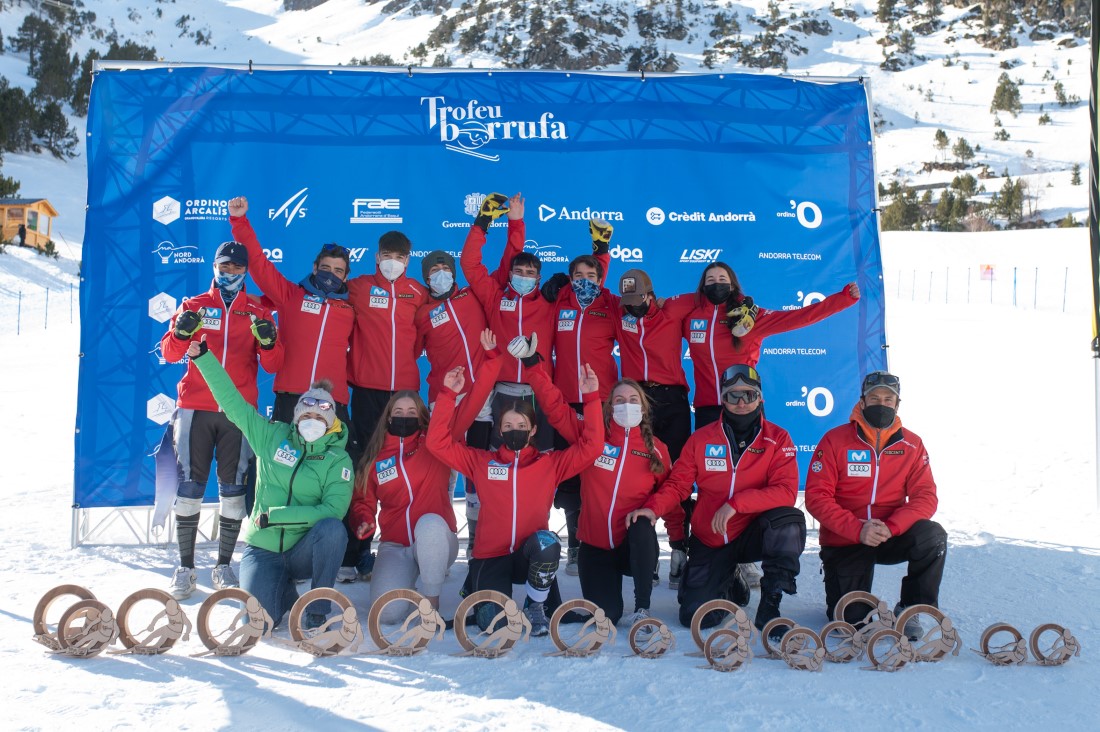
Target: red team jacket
x=706 y=330
x=617 y=482
x=649 y=347
x=584 y=336
x=508 y=313
x=516 y=488
x=450 y=331
x=383 y=343
x=317 y=328
x=860 y=473
x=764 y=477
x=409 y=480
x=229 y=337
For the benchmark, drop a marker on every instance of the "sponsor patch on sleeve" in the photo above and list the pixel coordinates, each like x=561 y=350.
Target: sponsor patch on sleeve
x=816 y=466
x=345 y=473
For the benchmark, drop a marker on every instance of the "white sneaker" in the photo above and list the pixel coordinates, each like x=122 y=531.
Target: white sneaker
x=751 y=574
x=347 y=574
x=571 y=567
x=676 y=568
x=223 y=577
x=641 y=613
x=183 y=583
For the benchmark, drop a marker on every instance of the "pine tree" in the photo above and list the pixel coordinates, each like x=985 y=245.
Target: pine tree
x=1075 y=176
x=1007 y=96
x=53 y=129
x=941 y=141
x=962 y=150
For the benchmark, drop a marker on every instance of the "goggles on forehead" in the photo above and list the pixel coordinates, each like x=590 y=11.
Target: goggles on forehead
x=323 y=404
x=740 y=373
x=335 y=250
x=876 y=379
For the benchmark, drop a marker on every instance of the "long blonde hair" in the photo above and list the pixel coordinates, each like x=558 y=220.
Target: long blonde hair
x=645 y=427
x=370 y=452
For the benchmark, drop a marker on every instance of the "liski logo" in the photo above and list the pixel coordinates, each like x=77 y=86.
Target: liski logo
x=166 y=210
x=545 y=252
x=700 y=256
x=355 y=254
x=293 y=208
x=467 y=129
x=376 y=211
x=172 y=253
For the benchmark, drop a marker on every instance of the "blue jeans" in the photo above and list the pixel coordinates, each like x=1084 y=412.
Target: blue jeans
x=269 y=576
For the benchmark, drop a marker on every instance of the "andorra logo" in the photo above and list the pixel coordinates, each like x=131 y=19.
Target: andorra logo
x=467 y=129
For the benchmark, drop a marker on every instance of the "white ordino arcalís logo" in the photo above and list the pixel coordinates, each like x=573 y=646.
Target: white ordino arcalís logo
x=376 y=211
x=467 y=129
x=818 y=400
x=172 y=253
x=166 y=210
x=576 y=214
x=159 y=409
x=293 y=208
x=807 y=212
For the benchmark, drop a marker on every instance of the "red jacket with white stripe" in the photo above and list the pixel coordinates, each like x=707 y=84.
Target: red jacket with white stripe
x=450 y=331
x=315 y=329
x=584 y=335
x=408 y=479
x=859 y=473
x=228 y=332
x=383 y=343
x=765 y=476
x=509 y=314
x=618 y=481
x=706 y=329
x=650 y=347
x=516 y=488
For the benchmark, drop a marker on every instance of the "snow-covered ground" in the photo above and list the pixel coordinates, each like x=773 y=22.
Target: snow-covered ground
x=1002 y=395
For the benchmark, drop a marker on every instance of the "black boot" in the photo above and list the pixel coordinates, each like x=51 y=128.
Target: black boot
x=767 y=611
x=735 y=589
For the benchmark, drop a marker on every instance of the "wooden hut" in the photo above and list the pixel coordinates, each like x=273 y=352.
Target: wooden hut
x=34 y=213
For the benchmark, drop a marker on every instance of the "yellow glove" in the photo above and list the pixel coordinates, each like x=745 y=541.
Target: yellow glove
x=601 y=235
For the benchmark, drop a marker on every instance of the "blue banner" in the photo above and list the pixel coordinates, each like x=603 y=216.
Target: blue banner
x=773 y=176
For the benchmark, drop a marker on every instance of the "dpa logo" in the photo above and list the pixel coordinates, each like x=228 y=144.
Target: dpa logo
x=626 y=254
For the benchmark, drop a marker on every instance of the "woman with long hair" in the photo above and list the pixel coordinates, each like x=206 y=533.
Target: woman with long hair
x=516 y=485
x=407 y=488
x=632 y=465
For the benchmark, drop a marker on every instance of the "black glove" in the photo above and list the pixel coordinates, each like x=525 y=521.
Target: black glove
x=532 y=360
x=188 y=324
x=552 y=286
x=264 y=331
x=262 y=520
x=494 y=206
x=601 y=235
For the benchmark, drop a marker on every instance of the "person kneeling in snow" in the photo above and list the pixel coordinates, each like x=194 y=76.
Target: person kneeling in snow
x=871 y=489
x=303 y=489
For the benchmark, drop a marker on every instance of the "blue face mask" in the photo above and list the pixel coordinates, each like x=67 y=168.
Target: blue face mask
x=228 y=282
x=441 y=282
x=327 y=282
x=523 y=285
x=586 y=291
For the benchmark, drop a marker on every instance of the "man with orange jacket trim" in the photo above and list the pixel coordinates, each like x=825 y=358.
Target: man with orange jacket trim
x=871 y=488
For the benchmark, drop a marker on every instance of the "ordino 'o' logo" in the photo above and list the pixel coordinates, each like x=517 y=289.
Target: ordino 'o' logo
x=655 y=216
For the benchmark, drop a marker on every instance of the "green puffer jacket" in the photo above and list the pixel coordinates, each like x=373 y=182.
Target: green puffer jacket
x=298 y=483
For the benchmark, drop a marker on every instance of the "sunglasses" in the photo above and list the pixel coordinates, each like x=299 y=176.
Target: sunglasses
x=741 y=397
x=881 y=378
x=323 y=404
x=334 y=249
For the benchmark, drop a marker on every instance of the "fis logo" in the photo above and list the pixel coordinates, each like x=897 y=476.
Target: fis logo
x=292 y=209
x=700 y=256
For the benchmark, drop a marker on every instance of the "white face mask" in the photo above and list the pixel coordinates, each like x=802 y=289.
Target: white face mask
x=311 y=429
x=627 y=415
x=391 y=269
x=441 y=281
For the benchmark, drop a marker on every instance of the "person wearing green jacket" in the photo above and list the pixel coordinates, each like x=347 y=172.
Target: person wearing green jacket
x=304 y=483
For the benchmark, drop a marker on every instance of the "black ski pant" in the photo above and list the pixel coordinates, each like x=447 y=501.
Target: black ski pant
x=535 y=563
x=851 y=568
x=602 y=570
x=670 y=415
x=775 y=538
x=568 y=495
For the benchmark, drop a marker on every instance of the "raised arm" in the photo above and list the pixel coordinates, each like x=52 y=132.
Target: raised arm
x=770 y=322
x=589 y=444
x=441 y=440
x=559 y=414
x=239 y=411
x=485 y=380
x=278 y=288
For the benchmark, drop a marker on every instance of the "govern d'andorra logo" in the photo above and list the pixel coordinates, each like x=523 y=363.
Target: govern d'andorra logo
x=467 y=129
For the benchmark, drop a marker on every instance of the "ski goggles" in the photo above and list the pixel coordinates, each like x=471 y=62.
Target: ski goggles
x=740 y=372
x=323 y=404
x=335 y=250
x=734 y=396
x=884 y=379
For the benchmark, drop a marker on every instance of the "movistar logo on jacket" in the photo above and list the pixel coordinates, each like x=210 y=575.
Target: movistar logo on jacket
x=609 y=457
x=715 y=458
x=567 y=320
x=859 y=463
x=379 y=297
x=386 y=470
x=286 y=454
x=439 y=316
x=698 y=330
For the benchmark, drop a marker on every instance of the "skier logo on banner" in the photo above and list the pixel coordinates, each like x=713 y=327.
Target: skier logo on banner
x=243 y=631
x=332 y=636
x=503 y=629
x=594 y=634
x=160 y=638
x=421 y=626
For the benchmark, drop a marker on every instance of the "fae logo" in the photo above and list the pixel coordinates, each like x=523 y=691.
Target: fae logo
x=714 y=458
x=468 y=129
x=166 y=210
x=626 y=254
x=700 y=256
x=292 y=209
x=172 y=253
x=567 y=320
x=161 y=307
x=859 y=463
x=376 y=211
x=655 y=216
x=386 y=470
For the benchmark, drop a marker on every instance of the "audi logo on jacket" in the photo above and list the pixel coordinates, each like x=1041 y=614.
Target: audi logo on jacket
x=228 y=333
x=860 y=473
x=516 y=488
x=316 y=329
x=763 y=476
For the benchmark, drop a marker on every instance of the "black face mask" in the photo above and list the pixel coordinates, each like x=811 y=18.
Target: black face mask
x=638 y=311
x=404 y=426
x=741 y=422
x=515 y=440
x=717 y=292
x=879 y=416
x=327 y=282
